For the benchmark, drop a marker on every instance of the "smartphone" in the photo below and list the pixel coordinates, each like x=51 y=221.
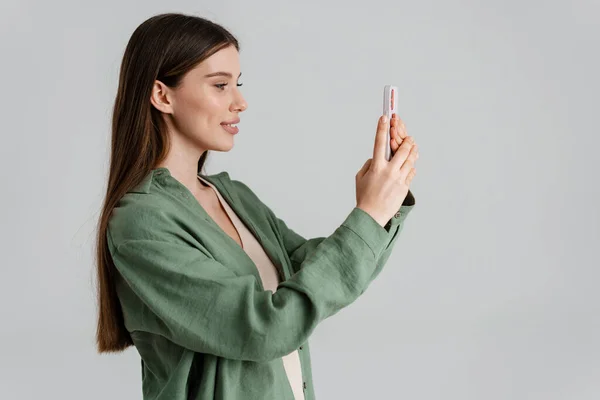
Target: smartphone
x=390 y=106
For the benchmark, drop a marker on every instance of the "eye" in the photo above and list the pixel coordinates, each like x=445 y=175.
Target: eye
x=221 y=86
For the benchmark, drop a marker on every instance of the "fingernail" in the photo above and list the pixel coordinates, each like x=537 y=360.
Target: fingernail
x=384 y=119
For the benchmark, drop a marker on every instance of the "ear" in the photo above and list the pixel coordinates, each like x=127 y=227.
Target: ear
x=161 y=97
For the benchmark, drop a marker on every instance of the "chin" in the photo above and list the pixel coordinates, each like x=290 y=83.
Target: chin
x=224 y=146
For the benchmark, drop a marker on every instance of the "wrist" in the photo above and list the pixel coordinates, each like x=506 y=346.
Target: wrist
x=382 y=221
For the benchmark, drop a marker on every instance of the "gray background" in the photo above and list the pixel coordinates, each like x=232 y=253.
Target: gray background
x=491 y=292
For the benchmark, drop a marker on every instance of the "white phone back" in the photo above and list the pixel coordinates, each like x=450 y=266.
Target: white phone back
x=390 y=105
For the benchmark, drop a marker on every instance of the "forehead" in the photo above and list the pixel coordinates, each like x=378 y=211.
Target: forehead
x=224 y=60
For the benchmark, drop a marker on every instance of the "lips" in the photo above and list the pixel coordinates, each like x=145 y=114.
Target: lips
x=234 y=121
x=231 y=129
x=227 y=125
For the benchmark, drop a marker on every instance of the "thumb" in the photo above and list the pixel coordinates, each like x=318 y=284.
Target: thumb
x=364 y=169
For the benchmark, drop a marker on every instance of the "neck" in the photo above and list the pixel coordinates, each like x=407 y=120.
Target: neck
x=182 y=162
x=185 y=171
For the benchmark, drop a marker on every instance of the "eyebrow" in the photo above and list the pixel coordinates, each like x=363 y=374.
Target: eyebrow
x=221 y=73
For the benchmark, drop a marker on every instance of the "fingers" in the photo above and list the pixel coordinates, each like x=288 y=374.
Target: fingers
x=399 y=128
x=380 y=139
x=397 y=132
x=409 y=162
x=405 y=150
x=394 y=145
x=410 y=176
x=395 y=141
x=402 y=153
x=394 y=138
x=402 y=129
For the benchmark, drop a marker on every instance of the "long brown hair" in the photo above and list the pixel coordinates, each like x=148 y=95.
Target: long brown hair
x=164 y=47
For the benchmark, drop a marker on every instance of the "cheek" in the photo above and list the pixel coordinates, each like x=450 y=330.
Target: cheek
x=201 y=110
x=208 y=108
x=194 y=111
x=213 y=109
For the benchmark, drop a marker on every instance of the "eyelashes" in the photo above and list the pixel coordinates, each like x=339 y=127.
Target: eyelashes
x=221 y=86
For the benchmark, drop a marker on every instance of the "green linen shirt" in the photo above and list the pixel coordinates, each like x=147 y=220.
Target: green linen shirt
x=193 y=300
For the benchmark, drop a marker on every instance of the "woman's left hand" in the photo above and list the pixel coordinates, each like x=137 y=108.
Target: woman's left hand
x=397 y=132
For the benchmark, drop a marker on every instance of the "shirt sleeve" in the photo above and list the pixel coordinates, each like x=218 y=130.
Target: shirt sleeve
x=188 y=297
x=298 y=247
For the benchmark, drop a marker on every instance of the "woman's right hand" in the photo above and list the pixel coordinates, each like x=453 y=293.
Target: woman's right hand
x=381 y=185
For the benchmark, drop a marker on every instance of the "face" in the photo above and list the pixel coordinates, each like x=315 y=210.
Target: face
x=207 y=97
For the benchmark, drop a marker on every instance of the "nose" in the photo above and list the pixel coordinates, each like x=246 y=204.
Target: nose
x=240 y=103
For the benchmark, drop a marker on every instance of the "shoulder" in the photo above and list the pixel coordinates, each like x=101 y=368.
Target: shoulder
x=151 y=210
x=138 y=217
x=158 y=208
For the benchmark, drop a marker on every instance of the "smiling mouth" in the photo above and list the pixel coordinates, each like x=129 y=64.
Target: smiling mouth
x=231 y=128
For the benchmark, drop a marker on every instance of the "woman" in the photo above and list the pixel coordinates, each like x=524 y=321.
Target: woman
x=216 y=293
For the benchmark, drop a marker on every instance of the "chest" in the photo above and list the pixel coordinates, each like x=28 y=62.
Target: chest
x=210 y=202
